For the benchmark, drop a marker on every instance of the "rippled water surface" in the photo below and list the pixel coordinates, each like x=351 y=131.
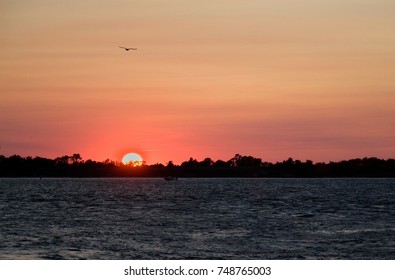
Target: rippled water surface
x=197 y=219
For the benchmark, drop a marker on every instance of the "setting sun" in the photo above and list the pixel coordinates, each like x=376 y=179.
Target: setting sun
x=132 y=159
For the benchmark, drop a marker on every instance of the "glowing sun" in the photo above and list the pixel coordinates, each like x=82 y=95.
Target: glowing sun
x=132 y=159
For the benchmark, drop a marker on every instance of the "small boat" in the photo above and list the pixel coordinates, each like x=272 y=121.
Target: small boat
x=170 y=178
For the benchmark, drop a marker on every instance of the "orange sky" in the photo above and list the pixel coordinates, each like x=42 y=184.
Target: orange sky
x=272 y=79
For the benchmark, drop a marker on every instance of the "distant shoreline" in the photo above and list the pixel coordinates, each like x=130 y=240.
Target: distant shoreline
x=237 y=167
x=181 y=178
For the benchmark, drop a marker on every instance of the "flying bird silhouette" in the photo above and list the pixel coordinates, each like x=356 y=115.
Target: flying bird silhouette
x=128 y=49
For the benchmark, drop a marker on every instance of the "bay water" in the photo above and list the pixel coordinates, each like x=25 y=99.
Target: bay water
x=197 y=218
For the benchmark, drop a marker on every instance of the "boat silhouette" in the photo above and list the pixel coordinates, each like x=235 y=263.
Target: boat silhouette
x=170 y=178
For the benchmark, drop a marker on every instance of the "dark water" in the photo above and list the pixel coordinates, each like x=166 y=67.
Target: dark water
x=197 y=219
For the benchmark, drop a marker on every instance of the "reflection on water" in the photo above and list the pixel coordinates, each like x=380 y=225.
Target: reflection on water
x=197 y=219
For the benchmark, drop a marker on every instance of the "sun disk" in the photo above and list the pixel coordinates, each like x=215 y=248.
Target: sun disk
x=132 y=159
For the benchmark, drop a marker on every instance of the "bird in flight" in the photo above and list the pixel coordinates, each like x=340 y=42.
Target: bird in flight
x=128 y=49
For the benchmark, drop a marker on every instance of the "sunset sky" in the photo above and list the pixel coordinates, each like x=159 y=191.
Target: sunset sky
x=273 y=79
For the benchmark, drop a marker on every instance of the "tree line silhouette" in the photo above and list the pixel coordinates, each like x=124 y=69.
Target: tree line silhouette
x=238 y=166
